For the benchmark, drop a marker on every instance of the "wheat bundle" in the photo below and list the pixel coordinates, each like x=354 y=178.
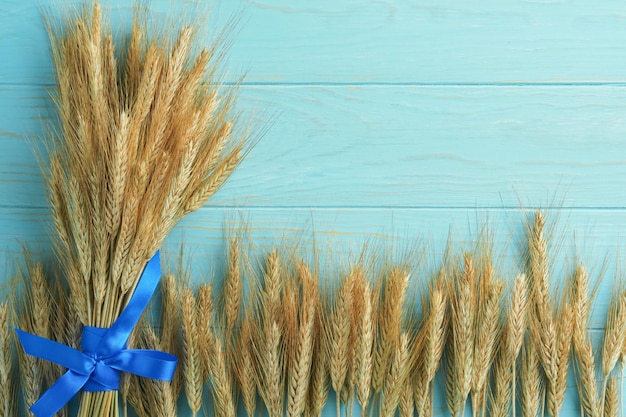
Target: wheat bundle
x=145 y=136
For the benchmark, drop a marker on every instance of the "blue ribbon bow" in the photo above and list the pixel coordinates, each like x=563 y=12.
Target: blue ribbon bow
x=104 y=354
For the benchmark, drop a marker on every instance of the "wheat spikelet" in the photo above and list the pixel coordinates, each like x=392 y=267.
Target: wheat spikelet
x=300 y=368
x=435 y=331
x=209 y=186
x=531 y=380
x=583 y=349
x=407 y=406
x=270 y=382
x=31 y=374
x=588 y=387
x=8 y=398
x=221 y=380
x=159 y=397
x=320 y=380
x=542 y=324
x=501 y=395
x=486 y=330
x=516 y=319
x=117 y=181
x=580 y=297
x=504 y=379
x=270 y=303
x=267 y=338
x=460 y=349
x=204 y=323
x=290 y=305
x=244 y=367
x=395 y=379
x=192 y=362
x=41 y=312
x=389 y=321
x=556 y=389
x=611 y=402
x=430 y=346
x=364 y=315
x=339 y=329
x=553 y=344
x=232 y=289
x=171 y=325
x=614 y=333
x=359 y=288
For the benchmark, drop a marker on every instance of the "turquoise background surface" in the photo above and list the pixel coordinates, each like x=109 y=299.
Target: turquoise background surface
x=393 y=122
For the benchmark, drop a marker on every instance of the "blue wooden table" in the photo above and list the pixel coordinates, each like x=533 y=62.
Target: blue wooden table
x=393 y=122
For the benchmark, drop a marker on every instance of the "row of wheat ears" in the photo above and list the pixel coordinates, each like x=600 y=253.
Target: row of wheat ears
x=288 y=341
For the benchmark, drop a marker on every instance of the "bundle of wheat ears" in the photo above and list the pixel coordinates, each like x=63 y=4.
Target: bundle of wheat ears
x=145 y=136
x=279 y=339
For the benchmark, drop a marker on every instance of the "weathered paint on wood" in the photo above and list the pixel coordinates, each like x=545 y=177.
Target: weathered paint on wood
x=402 y=41
x=393 y=147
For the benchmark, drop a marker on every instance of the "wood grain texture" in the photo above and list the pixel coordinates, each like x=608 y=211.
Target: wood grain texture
x=352 y=41
x=394 y=147
x=331 y=238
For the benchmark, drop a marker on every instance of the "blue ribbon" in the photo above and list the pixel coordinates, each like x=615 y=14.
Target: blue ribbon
x=104 y=354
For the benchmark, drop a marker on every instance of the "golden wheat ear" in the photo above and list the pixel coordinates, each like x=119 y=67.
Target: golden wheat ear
x=300 y=367
x=584 y=362
x=531 y=380
x=191 y=360
x=460 y=350
x=8 y=394
x=243 y=362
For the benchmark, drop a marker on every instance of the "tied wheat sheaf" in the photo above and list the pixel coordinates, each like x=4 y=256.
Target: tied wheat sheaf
x=278 y=338
x=145 y=136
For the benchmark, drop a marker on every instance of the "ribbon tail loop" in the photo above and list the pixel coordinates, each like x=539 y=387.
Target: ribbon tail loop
x=59 y=394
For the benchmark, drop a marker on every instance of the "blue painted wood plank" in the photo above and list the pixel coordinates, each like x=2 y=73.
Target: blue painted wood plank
x=331 y=239
x=394 y=146
x=353 y=41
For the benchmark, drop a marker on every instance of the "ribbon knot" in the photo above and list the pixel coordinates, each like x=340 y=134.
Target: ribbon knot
x=103 y=355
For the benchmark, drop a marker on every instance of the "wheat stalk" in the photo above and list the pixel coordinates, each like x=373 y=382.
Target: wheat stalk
x=270 y=379
x=486 y=330
x=244 y=367
x=300 y=368
x=389 y=322
x=614 y=334
x=611 y=406
x=504 y=379
x=429 y=352
x=221 y=379
x=8 y=398
x=171 y=324
x=531 y=381
x=158 y=396
x=556 y=389
x=553 y=344
x=583 y=349
x=395 y=379
x=232 y=289
x=461 y=347
x=204 y=326
x=339 y=329
x=320 y=379
x=192 y=361
x=364 y=315
x=406 y=408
